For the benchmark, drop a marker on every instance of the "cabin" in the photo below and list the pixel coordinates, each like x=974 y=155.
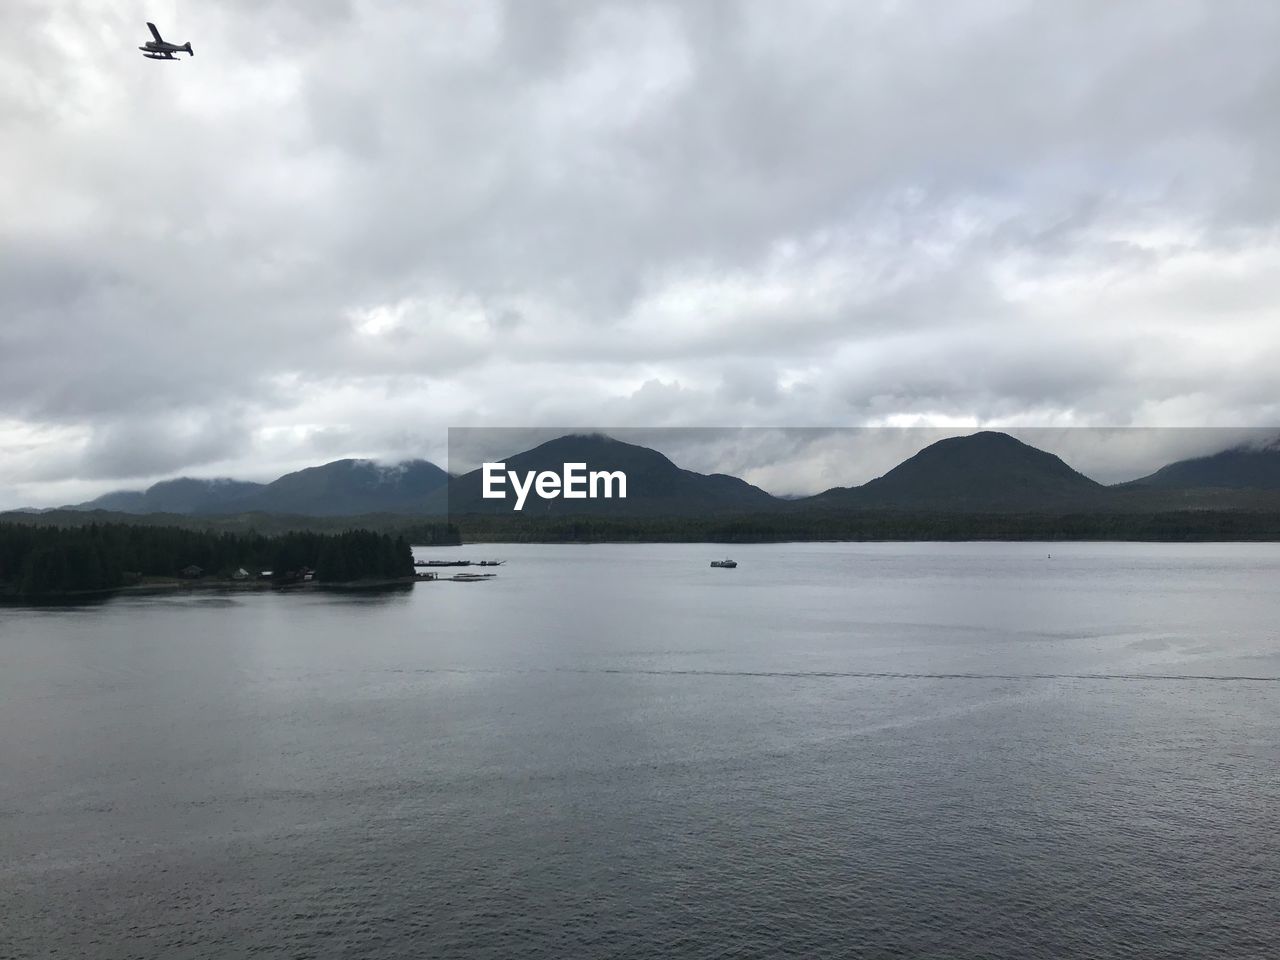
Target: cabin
x=191 y=572
x=240 y=574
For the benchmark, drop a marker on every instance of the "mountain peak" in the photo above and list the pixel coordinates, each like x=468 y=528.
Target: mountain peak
x=987 y=470
x=580 y=445
x=655 y=485
x=350 y=486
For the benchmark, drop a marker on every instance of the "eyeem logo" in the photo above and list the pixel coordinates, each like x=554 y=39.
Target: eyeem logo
x=573 y=483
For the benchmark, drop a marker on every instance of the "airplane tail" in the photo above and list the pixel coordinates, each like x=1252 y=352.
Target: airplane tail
x=187 y=47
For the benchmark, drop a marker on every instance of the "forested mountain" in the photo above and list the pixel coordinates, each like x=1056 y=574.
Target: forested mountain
x=349 y=487
x=655 y=485
x=342 y=488
x=1240 y=468
x=183 y=495
x=983 y=471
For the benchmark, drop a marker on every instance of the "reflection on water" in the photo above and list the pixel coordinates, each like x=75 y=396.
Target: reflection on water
x=954 y=750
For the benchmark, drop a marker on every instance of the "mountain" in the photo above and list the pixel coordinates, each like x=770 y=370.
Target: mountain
x=655 y=485
x=1240 y=468
x=340 y=488
x=183 y=495
x=985 y=471
x=348 y=488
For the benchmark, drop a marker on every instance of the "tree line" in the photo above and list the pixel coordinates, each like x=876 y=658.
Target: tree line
x=48 y=560
x=1171 y=526
x=419 y=531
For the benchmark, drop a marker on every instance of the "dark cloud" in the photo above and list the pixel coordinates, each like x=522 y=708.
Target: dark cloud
x=147 y=446
x=342 y=227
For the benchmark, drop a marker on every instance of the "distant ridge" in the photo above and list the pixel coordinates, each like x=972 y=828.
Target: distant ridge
x=1240 y=468
x=347 y=487
x=337 y=489
x=183 y=495
x=982 y=471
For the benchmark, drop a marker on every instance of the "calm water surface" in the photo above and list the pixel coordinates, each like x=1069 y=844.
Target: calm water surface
x=887 y=750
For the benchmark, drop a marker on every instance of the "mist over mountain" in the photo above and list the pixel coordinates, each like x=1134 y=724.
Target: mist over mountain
x=185 y=495
x=349 y=487
x=341 y=488
x=1240 y=468
x=986 y=471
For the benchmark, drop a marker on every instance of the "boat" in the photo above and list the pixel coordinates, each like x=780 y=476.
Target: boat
x=729 y=564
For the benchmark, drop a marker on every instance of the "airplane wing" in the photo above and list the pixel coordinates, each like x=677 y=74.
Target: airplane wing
x=155 y=33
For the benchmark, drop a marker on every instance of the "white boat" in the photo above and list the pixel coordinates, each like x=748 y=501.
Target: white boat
x=730 y=564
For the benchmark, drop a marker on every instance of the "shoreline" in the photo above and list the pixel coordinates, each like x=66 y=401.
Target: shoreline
x=176 y=585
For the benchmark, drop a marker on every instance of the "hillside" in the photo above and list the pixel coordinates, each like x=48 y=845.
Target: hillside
x=338 y=489
x=983 y=471
x=1241 y=468
x=655 y=485
x=183 y=495
x=347 y=487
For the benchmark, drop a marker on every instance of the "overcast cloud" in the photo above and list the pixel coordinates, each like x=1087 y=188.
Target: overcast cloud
x=344 y=226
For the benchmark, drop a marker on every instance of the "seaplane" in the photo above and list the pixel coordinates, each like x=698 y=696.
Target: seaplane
x=161 y=49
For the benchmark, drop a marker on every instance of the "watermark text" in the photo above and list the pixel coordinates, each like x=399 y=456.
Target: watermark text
x=574 y=482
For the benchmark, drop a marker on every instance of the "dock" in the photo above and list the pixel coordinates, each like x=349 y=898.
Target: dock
x=458 y=563
x=456 y=578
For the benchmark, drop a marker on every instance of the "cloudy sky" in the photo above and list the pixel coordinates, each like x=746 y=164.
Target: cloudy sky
x=347 y=225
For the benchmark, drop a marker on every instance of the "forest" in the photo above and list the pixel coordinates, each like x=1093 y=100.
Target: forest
x=1172 y=526
x=38 y=561
x=419 y=531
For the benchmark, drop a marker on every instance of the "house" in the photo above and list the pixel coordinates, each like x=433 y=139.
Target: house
x=240 y=574
x=266 y=574
x=192 y=572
